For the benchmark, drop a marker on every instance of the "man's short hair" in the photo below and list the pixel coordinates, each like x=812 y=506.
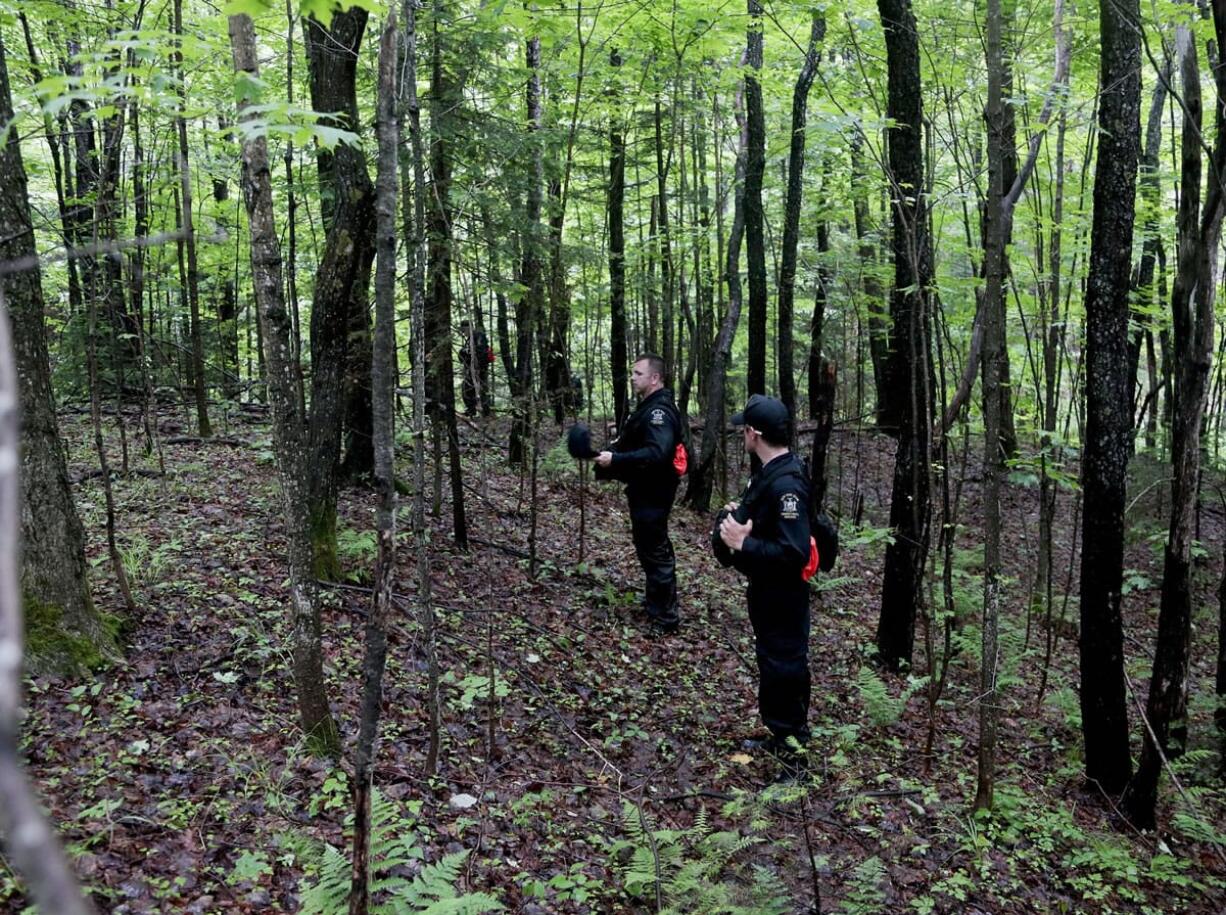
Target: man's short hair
x=655 y=364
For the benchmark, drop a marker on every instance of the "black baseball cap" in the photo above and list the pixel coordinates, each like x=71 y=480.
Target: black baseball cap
x=768 y=415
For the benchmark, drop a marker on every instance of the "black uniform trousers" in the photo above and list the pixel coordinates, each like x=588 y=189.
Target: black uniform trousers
x=649 y=528
x=780 y=618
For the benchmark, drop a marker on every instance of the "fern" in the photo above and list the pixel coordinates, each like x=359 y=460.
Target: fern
x=393 y=850
x=865 y=896
x=882 y=708
x=689 y=868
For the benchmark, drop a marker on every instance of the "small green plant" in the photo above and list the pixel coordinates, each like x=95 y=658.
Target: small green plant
x=395 y=854
x=883 y=709
x=865 y=895
x=686 y=869
x=356 y=551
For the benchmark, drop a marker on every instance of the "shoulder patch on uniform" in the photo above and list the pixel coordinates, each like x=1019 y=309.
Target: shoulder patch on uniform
x=657 y=417
x=789 y=506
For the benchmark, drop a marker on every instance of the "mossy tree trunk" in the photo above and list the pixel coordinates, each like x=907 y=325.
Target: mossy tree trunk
x=63 y=628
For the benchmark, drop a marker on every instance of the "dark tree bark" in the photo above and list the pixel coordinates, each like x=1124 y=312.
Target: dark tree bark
x=816 y=381
x=289 y=426
x=1108 y=432
x=383 y=389
x=823 y=413
x=532 y=298
x=446 y=96
x=415 y=241
x=63 y=629
x=995 y=238
x=1192 y=302
x=340 y=345
x=227 y=302
x=791 y=214
x=910 y=380
x=617 y=261
x=189 y=238
x=755 y=243
x=702 y=477
x=886 y=413
x=667 y=278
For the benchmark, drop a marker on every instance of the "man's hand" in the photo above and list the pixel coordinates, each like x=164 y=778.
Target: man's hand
x=731 y=507
x=604 y=459
x=733 y=534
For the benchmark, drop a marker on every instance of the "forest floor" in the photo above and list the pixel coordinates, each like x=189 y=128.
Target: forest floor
x=178 y=779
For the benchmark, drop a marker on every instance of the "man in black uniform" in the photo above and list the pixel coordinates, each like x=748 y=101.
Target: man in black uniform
x=766 y=537
x=642 y=458
x=475 y=361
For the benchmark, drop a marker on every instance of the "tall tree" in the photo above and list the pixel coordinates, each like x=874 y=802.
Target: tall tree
x=791 y=212
x=383 y=390
x=1108 y=431
x=755 y=238
x=59 y=612
x=910 y=375
x=339 y=307
x=446 y=96
x=619 y=358
x=289 y=425
x=189 y=235
x=1192 y=301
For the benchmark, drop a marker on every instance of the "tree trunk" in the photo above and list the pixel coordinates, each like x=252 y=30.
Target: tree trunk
x=189 y=237
x=887 y=410
x=1192 y=301
x=1108 y=430
x=617 y=259
x=910 y=376
x=755 y=166
x=339 y=303
x=383 y=390
x=63 y=631
x=289 y=432
x=994 y=241
x=702 y=477
x=791 y=215
x=415 y=241
x=531 y=299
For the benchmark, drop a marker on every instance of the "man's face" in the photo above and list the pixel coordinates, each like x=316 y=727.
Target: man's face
x=642 y=378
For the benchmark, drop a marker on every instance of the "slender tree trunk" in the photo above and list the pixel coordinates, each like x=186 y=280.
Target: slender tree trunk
x=1108 y=431
x=445 y=98
x=886 y=414
x=531 y=300
x=994 y=239
x=339 y=338
x=755 y=167
x=63 y=629
x=1192 y=302
x=383 y=389
x=415 y=237
x=289 y=427
x=702 y=477
x=911 y=378
x=619 y=358
x=791 y=214
x=189 y=238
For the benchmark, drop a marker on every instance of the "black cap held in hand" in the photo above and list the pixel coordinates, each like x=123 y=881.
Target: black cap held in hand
x=768 y=415
x=579 y=442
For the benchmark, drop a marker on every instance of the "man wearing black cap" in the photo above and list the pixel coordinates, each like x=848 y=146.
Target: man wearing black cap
x=766 y=537
x=642 y=458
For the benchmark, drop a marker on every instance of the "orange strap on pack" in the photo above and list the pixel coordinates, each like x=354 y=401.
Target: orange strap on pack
x=810 y=568
x=681 y=460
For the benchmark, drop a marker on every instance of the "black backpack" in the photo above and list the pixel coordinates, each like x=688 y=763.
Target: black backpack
x=826 y=535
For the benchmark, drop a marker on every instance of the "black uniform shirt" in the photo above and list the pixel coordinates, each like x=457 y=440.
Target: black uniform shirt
x=777 y=548
x=643 y=453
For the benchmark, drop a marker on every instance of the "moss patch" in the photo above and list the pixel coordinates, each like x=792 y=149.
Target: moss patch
x=53 y=649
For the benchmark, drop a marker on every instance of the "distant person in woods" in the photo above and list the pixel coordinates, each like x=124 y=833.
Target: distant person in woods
x=643 y=457
x=475 y=358
x=765 y=536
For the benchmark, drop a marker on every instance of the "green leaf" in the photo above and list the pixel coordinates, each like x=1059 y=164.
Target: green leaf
x=250 y=8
